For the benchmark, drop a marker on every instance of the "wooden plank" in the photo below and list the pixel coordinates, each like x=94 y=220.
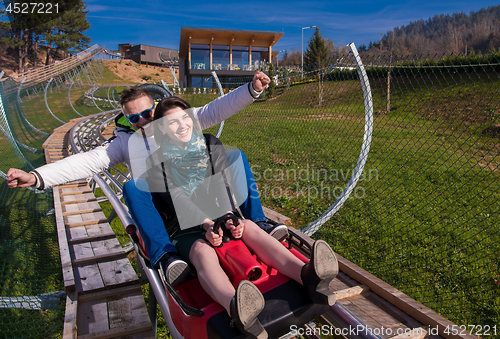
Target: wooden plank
x=110 y=293
x=375 y=316
x=98 y=229
x=402 y=317
x=75 y=199
x=76 y=233
x=127 y=310
x=70 y=317
x=74 y=193
x=67 y=269
x=80 y=212
x=273 y=215
x=88 y=278
x=82 y=207
x=118 y=332
x=92 y=317
x=72 y=220
x=408 y=305
x=342 y=282
x=87 y=238
x=118 y=273
x=74 y=190
x=350 y=292
x=83 y=250
x=79 y=183
x=98 y=258
x=415 y=333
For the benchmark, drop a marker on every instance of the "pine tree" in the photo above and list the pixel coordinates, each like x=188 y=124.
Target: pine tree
x=60 y=26
x=66 y=32
x=316 y=58
x=316 y=55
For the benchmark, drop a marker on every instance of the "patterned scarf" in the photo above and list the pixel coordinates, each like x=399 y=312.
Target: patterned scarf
x=188 y=163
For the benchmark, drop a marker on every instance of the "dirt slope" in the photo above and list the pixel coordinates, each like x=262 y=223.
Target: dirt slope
x=132 y=72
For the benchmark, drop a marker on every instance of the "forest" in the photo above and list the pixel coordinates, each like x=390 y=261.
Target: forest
x=442 y=34
x=29 y=29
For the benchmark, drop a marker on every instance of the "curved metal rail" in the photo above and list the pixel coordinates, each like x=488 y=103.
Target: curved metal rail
x=363 y=155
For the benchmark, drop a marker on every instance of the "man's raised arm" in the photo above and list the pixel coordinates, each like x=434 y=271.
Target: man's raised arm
x=226 y=106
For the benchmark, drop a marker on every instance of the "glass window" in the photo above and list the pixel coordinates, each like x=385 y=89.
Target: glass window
x=220 y=57
x=202 y=82
x=240 y=57
x=200 y=58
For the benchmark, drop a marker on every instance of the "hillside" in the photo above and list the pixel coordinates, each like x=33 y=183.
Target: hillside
x=443 y=34
x=127 y=70
x=134 y=73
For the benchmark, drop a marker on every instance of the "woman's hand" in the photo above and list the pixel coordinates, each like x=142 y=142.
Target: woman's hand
x=236 y=230
x=214 y=238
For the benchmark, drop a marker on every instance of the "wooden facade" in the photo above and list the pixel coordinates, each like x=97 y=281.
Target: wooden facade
x=222 y=37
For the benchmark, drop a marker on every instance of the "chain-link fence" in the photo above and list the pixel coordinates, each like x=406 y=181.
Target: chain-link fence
x=32 y=302
x=423 y=215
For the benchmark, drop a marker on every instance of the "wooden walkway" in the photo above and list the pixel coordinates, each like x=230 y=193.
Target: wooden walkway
x=104 y=297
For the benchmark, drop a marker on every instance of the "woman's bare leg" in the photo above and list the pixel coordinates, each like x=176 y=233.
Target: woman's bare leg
x=210 y=274
x=271 y=251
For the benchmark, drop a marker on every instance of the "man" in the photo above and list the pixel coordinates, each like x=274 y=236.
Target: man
x=137 y=113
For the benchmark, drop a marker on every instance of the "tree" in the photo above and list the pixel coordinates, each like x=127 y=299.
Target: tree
x=316 y=58
x=272 y=84
x=291 y=59
x=28 y=23
x=316 y=55
x=66 y=32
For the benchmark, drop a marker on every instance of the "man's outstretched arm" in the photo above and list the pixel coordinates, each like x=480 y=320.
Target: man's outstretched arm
x=226 y=106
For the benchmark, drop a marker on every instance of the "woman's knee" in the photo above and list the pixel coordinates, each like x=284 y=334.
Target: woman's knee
x=252 y=228
x=200 y=251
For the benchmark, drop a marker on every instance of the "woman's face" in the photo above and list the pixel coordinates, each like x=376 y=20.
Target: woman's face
x=178 y=125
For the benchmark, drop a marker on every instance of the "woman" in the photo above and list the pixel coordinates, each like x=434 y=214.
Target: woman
x=186 y=165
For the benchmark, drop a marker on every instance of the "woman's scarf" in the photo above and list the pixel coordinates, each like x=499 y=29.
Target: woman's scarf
x=188 y=163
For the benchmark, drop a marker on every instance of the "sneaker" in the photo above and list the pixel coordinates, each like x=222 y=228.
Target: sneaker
x=173 y=269
x=246 y=305
x=276 y=230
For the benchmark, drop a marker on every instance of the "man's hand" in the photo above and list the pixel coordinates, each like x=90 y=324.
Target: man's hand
x=19 y=178
x=260 y=81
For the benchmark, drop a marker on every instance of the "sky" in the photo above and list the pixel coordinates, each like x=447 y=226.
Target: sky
x=158 y=23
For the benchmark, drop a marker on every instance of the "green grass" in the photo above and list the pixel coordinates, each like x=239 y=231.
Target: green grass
x=424 y=217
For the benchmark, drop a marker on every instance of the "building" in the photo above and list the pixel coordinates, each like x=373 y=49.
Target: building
x=231 y=53
x=149 y=54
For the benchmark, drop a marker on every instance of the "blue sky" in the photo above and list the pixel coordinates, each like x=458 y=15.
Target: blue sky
x=158 y=23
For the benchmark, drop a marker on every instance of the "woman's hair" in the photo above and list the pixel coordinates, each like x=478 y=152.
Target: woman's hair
x=167 y=104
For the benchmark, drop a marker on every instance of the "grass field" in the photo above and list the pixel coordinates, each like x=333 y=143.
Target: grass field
x=424 y=216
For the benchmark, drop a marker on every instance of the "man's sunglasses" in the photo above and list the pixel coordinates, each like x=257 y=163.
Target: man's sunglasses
x=146 y=114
